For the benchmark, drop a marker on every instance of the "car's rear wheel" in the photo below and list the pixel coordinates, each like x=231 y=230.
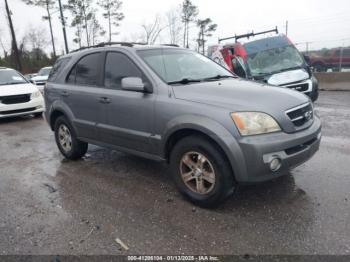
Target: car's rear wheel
x=201 y=171
x=66 y=140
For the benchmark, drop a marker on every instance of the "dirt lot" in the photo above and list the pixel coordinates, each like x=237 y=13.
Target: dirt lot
x=52 y=206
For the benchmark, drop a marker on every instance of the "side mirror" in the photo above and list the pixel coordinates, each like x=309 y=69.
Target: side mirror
x=133 y=84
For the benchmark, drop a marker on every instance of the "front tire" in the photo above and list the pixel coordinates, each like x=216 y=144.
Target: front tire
x=67 y=141
x=201 y=171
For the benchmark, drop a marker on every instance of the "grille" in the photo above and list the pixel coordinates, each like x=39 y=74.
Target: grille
x=299 y=87
x=17 y=99
x=9 y=112
x=301 y=114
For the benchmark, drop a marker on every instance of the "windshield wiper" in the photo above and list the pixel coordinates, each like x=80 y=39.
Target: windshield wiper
x=217 y=77
x=184 y=81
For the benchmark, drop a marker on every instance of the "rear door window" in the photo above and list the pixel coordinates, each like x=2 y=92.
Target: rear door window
x=87 y=70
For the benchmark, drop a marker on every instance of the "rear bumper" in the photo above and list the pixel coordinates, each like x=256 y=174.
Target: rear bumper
x=291 y=149
x=33 y=106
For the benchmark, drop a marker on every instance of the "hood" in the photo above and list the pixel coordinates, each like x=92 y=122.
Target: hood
x=288 y=77
x=39 y=78
x=241 y=95
x=20 y=89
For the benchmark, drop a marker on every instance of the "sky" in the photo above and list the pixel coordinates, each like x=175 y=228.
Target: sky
x=322 y=23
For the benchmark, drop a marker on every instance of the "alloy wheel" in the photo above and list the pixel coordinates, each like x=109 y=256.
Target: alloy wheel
x=65 y=138
x=197 y=172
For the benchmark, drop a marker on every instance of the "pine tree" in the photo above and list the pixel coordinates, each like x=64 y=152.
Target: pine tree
x=112 y=12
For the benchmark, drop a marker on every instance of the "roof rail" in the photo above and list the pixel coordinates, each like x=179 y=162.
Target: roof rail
x=102 y=44
x=236 y=37
x=171 y=45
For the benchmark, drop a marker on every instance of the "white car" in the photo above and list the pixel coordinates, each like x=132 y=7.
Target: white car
x=18 y=96
x=41 y=78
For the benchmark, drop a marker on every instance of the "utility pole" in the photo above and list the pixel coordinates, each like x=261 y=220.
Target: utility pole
x=63 y=27
x=287 y=28
x=14 y=42
x=51 y=33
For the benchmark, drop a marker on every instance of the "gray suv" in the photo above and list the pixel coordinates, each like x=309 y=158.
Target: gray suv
x=172 y=104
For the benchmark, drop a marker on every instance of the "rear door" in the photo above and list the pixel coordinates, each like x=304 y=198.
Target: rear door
x=82 y=94
x=129 y=114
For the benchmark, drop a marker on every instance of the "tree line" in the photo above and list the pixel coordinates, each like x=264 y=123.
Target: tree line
x=27 y=53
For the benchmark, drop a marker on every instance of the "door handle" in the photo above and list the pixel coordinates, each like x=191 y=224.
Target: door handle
x=104 y=100
x=64 y=93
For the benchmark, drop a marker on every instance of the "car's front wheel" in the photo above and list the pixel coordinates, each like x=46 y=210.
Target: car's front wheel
x=68 y=143
x=201 y=171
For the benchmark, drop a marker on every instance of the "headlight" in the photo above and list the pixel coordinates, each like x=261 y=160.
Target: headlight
x=254 y=123
x=35 y=95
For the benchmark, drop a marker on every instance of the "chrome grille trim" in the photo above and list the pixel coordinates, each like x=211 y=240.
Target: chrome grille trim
x=300 y=115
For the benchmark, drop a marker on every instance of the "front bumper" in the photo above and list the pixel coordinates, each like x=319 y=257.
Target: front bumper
x=36 y=105
x=309 y=87
x=291 y=149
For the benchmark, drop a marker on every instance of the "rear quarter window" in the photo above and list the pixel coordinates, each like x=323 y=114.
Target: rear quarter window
x=57 y=68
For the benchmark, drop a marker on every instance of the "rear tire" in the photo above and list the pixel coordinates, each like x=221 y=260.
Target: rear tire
x=67 y=141
x=201 y=171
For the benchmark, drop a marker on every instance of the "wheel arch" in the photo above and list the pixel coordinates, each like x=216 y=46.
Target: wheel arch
x=216 y=134
x=57 y=110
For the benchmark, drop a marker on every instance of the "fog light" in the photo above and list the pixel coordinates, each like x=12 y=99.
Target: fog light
x=275 y=164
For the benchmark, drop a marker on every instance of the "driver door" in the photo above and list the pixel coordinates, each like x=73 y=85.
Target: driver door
x=129 y=115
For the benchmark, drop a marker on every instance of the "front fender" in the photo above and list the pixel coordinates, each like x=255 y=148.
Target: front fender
x=215 y=131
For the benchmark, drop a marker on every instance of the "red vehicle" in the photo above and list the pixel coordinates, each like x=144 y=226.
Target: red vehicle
x=333 y=59
x=272 y=60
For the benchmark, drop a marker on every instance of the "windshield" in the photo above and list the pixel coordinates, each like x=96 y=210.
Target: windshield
x=274 y=60
x=44 y=71
x=177 y=65
x=11 y=77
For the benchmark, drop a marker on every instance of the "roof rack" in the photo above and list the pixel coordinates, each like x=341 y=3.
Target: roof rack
x=128 y=44
x=174 y=45
x=236 y=37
